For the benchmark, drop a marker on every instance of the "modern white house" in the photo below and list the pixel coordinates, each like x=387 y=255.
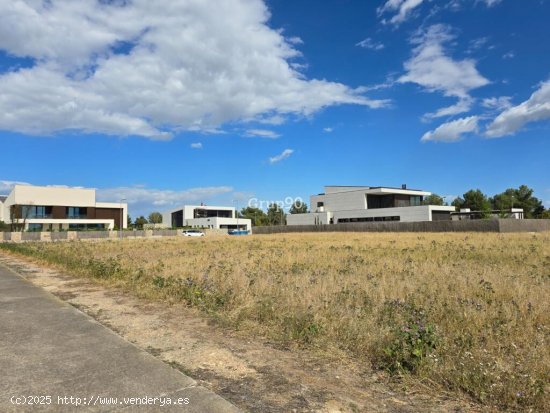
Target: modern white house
x=202 y=216
x=52 y=208
x=343 y=204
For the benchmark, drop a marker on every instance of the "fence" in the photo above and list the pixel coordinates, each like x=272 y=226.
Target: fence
x=84 y=235
x=481 y=225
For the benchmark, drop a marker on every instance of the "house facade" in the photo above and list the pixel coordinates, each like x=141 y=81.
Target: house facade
x=345 y=204
x=45 y=208
x=202 y=216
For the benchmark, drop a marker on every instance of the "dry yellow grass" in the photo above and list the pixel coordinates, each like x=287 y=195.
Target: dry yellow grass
x=469 y=311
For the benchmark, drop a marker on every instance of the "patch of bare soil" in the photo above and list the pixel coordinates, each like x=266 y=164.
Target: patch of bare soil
x=253 y=374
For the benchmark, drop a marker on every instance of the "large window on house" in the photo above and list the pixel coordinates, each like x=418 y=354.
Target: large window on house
x=34 y=211
x=212 y=213
x=416 y=200
x=77 y=212
x=380 y=201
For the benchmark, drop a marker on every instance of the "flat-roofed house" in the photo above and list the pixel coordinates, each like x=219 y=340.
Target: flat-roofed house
x=53 y=208
x=215 y=217
x=344 y=204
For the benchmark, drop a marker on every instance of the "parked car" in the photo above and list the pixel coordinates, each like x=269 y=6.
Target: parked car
x=238 y=232
x=192 y=233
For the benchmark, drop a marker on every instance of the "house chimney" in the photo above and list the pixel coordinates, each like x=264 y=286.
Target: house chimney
x=403 y=186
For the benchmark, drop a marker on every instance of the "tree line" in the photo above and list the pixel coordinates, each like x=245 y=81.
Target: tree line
x=476 y=200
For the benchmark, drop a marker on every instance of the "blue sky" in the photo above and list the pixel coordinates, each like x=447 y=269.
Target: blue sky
x=186 y=101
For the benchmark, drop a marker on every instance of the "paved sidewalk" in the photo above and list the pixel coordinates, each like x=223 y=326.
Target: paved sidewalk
x=48 y=348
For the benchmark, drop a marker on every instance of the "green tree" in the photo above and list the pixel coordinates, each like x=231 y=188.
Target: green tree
x=275 y=215
x=3 y=226
x=476 y=201
x=457 y=203
x=545 y=214
x=298 y=207
x=140 y=222
x=256 y=215
x=129 y=223
x=433 y=199
x=521 y=197
x=155 y=218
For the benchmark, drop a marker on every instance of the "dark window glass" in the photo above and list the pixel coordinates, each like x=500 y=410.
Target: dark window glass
x=33 y=211
x=76 y=212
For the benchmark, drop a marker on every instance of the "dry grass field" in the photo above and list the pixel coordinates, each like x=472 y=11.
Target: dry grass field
x=469 y=312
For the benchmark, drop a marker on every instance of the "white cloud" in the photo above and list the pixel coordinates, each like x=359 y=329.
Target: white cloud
x=368 y=43
x=152 y=68
x=7 y=186
x=196 y=145
x=283 y=155
x=142 y=200
x=261 y=133
x=497 y=103
x=401 y=8
x=509 y=55
x=295 y=40
x=478 y=43
x=452 y=131
x=328 y=130
x=491 y=3
x=534 y=109
x=463 y=105
x=431 y=68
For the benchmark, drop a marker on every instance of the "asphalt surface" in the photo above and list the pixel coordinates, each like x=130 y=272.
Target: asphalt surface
x=54 y=358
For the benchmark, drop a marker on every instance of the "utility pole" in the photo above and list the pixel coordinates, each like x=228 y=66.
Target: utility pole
x=121 y=216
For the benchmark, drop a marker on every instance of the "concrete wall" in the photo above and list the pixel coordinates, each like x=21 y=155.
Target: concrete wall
x=308 y=219
x=164 y=233
x=406 y=214
x=495 y=225
x=82 y=235
x=41 y=195
x=341 y=201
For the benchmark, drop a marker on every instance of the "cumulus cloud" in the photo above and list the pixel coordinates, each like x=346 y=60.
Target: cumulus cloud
x=368 y=43
x=452 y=131
x=196 y=145
x=328 y=130
x=432 y=68
x=536 y=108
x=401 y=8
x=463 y=105
x=261 y=133
x=152 y=68
x=508 y=55
x=283 y=155
x=497 y=103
